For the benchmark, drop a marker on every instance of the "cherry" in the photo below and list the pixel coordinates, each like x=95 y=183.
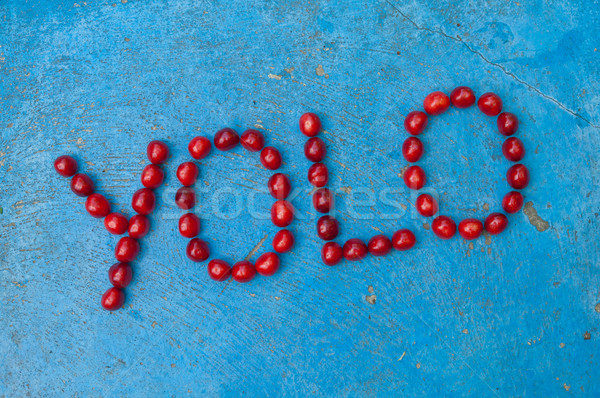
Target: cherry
x=279 y=186
x=322 y=200
x=380 y=245
x=496 y=223
x=513 y=149
x=314 y=149
x=199 y=147
x=218 y=270
x=138 y=226
x=412 y=149
x=226 y=139
x=187 y=173
x=403 y=239
x=116 y=223
x=65 y=165
x=113 y=299
x=490 y=104
x=470 y=228
x=97 y=205
x=267 y=264
x=436 y=103
x=282 y=213
x=189 y=225
x=426 y=205
x=327 y=228
x=143 y=201
x=120 y=275
x=243 y=271
x=517 y=176
x=415 y=122
x=512 y=202
x=318 y=175
x=310 y=124
x=197 y=250
x=152 y=176
x=157 y=152
x=270 y=158
x=414 y=177
x=283 y=241
x=507 y=123
x=354 y=250
x=185 y=198
x=127 y=249
x=82 y=185
x=253 y=140
x=462 y=97
x=444 y=227
x=331 y=253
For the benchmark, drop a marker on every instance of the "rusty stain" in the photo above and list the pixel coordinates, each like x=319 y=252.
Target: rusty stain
x=534 y=219
x=587 y=336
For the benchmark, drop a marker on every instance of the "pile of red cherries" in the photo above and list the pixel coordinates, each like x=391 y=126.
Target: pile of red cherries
x=322 y=198
x=513 y=149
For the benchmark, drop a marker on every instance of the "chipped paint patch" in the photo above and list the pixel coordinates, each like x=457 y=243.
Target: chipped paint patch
x=534 y=219
x=597 y=308
x=371 y=299
x=346 y=189
x=272 y=76
x=321 y=72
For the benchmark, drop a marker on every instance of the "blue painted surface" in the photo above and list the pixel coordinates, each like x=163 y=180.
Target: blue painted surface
x=507 y=316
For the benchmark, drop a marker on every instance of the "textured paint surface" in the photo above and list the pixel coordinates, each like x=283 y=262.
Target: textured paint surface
x=513 y=315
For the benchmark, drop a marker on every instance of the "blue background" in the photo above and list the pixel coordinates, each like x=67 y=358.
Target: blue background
x=501 y=316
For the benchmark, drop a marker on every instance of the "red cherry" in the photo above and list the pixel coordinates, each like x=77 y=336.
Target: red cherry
x=412 y=149
x=282 y=213
x=116 y=223
x=283 y=241
x=127 y=249
x=65 y=165
x=197 y=250
x=270 y=158
x=380 y=245
x=189 y=225
x=327 y=228
x=513 y=149
x=143 y=201
x=226 y=139
x=315 y=149
x=496 y=223
x=113 y=299
x=253 y=140
x=512 y=202
x=120 y=275
x=507 y=123
x=322 y=200
x=415 y=122
x=354 y=250
x=267 y=264
x=462 y=97
x=470 y=228
x=436 y=103
x=318 y=175
x=185 y=198
x=82 y=185
x=187 y=173
x=426 y=205
x=414 y=177
x=310 y=124
x=517 y=176
x=218 y=270
x=444 y=227
x=243 y=271
x=490 y=104
x=157 y=152
x=331 y=253
x=138 y=226
x=199 y=147
x=403 y=239
x=152 y=176
x=97 y=205
x=279 y=186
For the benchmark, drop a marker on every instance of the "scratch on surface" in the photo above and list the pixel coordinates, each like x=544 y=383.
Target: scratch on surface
x=255 y=249
x=534 y=219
